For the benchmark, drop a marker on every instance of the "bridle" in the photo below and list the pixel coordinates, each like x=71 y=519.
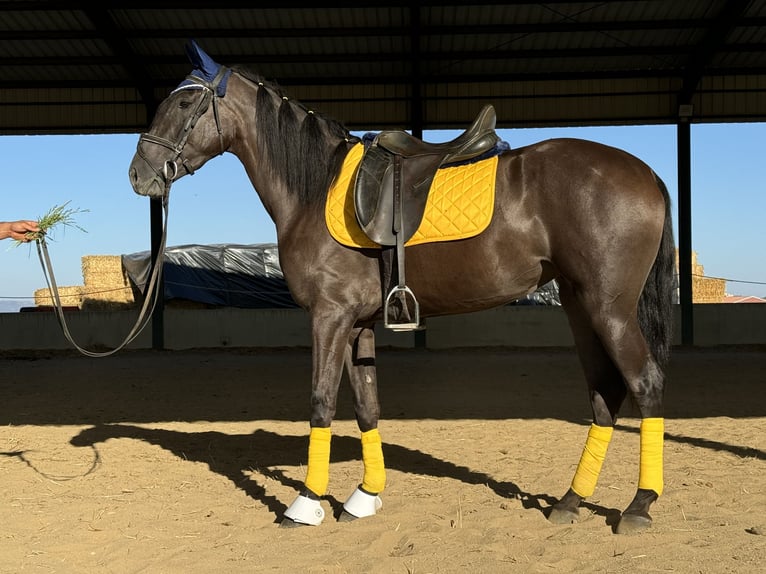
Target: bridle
x=210 y=95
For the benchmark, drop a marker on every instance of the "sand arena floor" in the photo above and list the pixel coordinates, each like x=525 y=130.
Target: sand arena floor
x=183 y=462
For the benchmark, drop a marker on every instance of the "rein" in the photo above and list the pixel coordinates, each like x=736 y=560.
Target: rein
x=151 y=293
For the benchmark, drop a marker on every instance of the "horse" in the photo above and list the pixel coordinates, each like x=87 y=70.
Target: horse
x=594 y=218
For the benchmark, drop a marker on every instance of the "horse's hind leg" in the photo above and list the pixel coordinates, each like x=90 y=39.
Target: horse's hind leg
x=617 y=330
x=645 y=383
x=607 y=392
x=360 y=366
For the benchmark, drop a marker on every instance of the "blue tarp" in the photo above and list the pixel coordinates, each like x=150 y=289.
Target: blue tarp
x=245 y=276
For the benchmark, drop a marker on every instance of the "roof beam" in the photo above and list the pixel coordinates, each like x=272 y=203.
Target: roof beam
x=113 y=36
x=56 y=5
x=425 y=30
x=405 y=79
x=712 y=41
x=133 y=63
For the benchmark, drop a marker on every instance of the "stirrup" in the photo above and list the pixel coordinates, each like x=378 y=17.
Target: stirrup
x=409 y=326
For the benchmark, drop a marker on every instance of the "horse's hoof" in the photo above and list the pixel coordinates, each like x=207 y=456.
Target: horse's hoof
x=290 y=523
x=564 y=516
x=346 y=517
x=633 y=524
x=305 y=510
x=361 y=504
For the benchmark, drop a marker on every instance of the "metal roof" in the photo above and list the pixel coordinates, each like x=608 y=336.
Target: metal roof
x=73 y=67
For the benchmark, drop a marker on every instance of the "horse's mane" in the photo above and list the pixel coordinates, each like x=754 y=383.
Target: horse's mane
x=303 y=148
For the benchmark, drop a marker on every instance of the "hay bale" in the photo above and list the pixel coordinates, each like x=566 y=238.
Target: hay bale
x=101 y=264
x=104 y=271
x=102 y=297
x=708 y=290
x=95 y=304
x=69 y=296
x=107 y=285
x=704 y=289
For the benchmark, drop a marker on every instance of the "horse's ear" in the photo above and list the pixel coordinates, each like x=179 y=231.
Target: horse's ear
x=205 y=68
x=200 y=60
x=193 y=52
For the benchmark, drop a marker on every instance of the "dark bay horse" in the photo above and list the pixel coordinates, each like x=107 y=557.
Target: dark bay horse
x=592 y=217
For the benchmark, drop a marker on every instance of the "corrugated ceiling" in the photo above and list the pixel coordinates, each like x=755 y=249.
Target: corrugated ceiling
x=70 y=68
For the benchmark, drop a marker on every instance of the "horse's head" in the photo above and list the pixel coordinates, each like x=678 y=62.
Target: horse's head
x=186 y=130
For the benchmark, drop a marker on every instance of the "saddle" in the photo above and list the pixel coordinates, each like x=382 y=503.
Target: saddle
x=399 y=162
x=391 y=190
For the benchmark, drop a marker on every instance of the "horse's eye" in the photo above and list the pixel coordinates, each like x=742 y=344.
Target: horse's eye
x=183 y=104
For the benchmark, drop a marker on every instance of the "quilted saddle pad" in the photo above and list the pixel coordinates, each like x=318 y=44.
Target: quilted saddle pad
x=460 y=204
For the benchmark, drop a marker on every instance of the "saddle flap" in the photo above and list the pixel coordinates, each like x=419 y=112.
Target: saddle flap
x=372 y=187
x=374 y=194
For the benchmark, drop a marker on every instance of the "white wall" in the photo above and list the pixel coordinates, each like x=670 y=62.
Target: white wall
x=522 y=326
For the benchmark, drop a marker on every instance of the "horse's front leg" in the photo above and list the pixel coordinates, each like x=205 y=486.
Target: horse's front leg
x=330 y=335
x=360 y=365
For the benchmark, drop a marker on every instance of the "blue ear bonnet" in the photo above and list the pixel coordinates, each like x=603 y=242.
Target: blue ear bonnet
x=205 y=68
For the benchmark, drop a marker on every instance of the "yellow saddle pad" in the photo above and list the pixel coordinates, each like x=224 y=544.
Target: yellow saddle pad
x=460 y=204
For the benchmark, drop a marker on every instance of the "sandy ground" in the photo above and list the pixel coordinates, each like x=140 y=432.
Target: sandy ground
x=184 y=462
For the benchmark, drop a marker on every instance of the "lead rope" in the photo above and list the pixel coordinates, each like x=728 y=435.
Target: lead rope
x=151 y=293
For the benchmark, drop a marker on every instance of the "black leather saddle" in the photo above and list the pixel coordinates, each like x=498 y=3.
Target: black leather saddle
x=396 y=173
x=390 y=194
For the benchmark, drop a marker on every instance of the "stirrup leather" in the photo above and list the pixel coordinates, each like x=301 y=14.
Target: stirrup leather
x=400 y=290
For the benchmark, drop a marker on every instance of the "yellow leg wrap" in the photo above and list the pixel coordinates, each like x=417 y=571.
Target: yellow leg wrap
x=584 y=481
x=650 y=471
x=318 y=472
x=374 y=468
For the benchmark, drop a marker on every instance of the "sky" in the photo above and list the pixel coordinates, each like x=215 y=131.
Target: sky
x=89 y=173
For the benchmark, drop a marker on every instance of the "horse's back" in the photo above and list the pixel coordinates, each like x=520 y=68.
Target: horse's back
x=596 y=204
x=581 y=178
x=580 y=158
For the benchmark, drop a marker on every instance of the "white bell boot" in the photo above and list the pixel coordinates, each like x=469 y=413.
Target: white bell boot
x=361 y=504
x=305 y=510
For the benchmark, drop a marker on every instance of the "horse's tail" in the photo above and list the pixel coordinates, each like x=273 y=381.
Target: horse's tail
x=655 y=307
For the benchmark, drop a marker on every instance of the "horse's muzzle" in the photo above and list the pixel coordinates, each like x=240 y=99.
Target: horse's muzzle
x=149 y=182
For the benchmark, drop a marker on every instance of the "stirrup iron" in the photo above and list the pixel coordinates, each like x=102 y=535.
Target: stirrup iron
x=405 y=293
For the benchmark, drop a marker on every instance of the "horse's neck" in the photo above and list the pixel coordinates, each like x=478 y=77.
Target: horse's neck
x=276 y=200
x=284 y=205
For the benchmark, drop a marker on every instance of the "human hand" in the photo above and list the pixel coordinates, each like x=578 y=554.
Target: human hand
x=18 y=230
